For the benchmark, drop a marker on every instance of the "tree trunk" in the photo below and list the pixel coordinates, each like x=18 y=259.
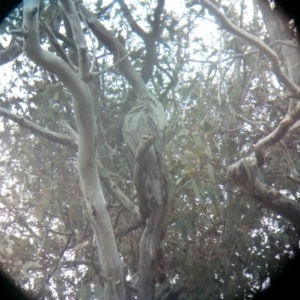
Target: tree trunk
x=84 y=115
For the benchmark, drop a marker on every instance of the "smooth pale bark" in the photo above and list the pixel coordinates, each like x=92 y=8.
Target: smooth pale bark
x=84 y=115
x=12 y=51
x=153 y=232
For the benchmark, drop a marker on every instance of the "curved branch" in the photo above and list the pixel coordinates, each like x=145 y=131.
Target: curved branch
x=82 y=97
x=56 y=45
x=11 y=52
x=293 y=172
x=84 y=116
x=48 y=134
x=131 y=21
x=270 y=53
x=119 y=52
x=136 y=225
x=263 y=145
x=56 y=265
x=79 y=39
x=245 y=173
x=282 y=129
x=138 y=175
x=73 y=144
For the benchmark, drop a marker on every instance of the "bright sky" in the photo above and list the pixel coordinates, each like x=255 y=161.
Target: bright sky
x=177 y=6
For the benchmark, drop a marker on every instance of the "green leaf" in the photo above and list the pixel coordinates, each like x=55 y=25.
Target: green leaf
x=182 y=131
x=195 y=188
x=188 y=152
x=211 y=173
x=188 y=225
x=211 y=68
x=208 y=152
x=162 y=287
x=198 y=142
x=192 y=216
x=171 y=189
x=206 y=125
x=31 y=264
x=285 y=238
x=98 y=291
x=105 y=173
x=84 y=292
x=179 y=224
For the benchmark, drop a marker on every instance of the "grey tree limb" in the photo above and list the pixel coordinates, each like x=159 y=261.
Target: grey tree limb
x=12 y=51
x=246 y=172
x=84 y=116
x=48 y=134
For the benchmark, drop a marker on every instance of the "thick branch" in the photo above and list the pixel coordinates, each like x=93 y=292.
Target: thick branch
x=263 y=145
x=48 y=134
x=56 y=45
x=149 y=38
x=11 y=52
x=284 y=126
x=245 y=173
x=157 y=18
x=138 y=175
x=79 y=39
x=84 y=116
x=119 y=52
x=79 y=90
x=131 y=21
x=111 y=186
x=71 y=143
x=65 y=39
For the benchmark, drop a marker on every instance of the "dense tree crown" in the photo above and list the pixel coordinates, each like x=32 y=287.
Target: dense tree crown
x=149 y=149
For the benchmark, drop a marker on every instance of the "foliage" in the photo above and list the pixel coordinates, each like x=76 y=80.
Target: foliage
x=218 y=242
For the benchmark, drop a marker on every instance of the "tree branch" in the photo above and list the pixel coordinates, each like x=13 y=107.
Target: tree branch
x=12 y=51
x=245 y=173
x=119 y=52
x=284 y=126
x=56 y=266
x=264 y=144
x=131 y=21
x=79 y=39
x=73 y=144
x=87 y=133
x=48 y=134
x=138 y=175
x=56 y=45
x=270 y=53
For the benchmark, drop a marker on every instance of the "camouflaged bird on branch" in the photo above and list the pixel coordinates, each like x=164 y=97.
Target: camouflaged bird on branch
x=147 y=119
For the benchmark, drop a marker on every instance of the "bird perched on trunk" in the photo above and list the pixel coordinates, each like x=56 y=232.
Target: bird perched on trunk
x=147 y=118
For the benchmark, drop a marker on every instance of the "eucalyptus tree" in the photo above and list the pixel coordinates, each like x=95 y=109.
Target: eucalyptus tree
x=144 y=156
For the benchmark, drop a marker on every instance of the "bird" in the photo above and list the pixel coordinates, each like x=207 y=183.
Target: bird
x=148 y=117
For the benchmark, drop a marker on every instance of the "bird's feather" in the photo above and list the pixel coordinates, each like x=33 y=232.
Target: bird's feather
x=147 y=118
